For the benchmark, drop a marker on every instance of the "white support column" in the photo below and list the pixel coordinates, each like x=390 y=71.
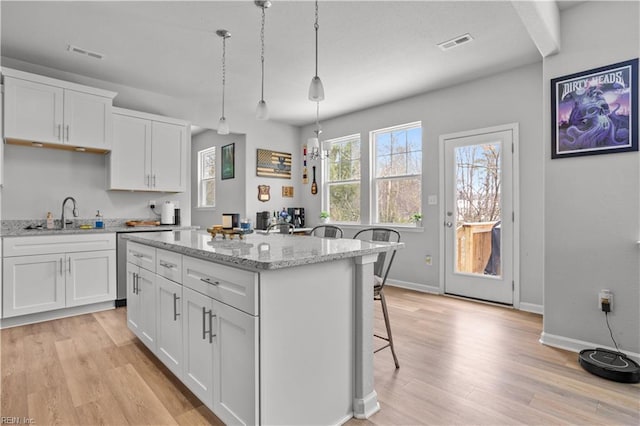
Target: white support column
x=365 y=399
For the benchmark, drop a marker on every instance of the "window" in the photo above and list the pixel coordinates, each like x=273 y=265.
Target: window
x=397 y=173
x=342 y=177
x=207 y=177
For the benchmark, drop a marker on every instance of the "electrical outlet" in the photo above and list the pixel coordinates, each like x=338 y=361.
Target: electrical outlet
x=605 y=300
x=428 y=260
x=152 y=204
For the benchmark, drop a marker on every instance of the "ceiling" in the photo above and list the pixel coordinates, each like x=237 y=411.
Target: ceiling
x=370 y=52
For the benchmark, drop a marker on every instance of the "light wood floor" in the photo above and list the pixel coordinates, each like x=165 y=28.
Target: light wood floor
x=461 y=363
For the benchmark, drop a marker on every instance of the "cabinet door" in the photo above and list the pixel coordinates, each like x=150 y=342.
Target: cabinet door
x=235 y=367
x=133 y=299
x=33 y=284
x=130 y=156
x=147 y=294
x=33 y=111
x=91 y=277
x=198 y=345
x=169 y=324
x=87 y=120
x=168 y=157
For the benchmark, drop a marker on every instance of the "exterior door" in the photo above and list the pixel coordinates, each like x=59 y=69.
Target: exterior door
x=479 y=213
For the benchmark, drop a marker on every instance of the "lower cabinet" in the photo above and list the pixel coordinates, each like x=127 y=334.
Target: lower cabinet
x=141 y=304
x=169 y=324
x=197 y=323
x=39 y=283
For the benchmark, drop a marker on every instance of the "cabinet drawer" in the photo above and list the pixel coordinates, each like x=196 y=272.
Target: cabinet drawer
x=235 y=287
x=141 y=255
x=169 y=265
x=45 y=244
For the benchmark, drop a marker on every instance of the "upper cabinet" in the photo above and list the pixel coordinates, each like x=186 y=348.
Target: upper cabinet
x=56 y=113
x=149 y=152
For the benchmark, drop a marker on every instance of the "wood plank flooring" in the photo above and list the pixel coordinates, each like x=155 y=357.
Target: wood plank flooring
x=461 y=363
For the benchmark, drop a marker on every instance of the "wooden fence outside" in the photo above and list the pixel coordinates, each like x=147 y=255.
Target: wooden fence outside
x=473 y=246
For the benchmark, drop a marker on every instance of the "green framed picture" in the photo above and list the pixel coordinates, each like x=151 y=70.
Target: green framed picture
x=228 y=161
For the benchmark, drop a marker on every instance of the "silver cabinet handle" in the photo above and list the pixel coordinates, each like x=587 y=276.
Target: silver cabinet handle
x=211 y=335
x=67 y=133
x=204 y=323
x=208 y=281
x=168 y=265
x=136 y=283
x=154 y=180
x=138 y=255
x=175 y=307
x=69 y=259
x=61 y=267
x=146 y=180
x=59 y=126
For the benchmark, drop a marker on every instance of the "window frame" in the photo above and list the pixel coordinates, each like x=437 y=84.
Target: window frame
x=374 y=179
x=202 y=180
x=327 y=184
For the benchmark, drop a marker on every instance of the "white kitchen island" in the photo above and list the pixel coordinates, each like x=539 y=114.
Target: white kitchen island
x=271 y=329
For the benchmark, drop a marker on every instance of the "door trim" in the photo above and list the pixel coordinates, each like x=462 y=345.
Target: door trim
x=514 y=128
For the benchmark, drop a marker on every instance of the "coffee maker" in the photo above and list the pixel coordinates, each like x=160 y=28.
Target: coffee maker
x=297 y=216
x=263 y=220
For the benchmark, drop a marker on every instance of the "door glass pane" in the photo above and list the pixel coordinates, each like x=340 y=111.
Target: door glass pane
x=478 y=209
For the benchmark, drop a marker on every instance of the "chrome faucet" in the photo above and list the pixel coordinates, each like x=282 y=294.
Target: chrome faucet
x=75 y=211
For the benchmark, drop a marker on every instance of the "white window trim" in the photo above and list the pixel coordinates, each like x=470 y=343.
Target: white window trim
x=325 y=174
x=201 y=153
x=373 y=196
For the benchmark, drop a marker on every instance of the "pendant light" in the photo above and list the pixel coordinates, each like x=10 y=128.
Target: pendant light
x=316 y=90
x=223 y=126
x=262 y=112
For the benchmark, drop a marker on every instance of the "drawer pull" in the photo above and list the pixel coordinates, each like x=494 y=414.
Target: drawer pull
x=138 y=255
x=208 y=281
x=168 y=265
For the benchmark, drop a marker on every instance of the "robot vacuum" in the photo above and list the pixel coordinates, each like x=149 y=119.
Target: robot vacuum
x=611 y=365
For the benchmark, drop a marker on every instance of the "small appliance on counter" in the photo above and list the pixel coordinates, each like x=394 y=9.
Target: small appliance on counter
x=230 y=220
x=167 y=213
x=297 y=216
x=263 y=220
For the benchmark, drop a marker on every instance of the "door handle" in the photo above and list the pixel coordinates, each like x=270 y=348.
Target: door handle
x=67 y=133
x=175 y=307
x=69 y=259
x=61 y=267
x=204 y=323
x=59 y=126
x=146 y=180
x=154 y=180
x=136 y=285
x=448 y=224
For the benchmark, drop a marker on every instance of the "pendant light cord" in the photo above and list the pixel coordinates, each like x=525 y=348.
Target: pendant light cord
x=224 y=69
x=316 y=26
x=262 y=54
x=318 y=119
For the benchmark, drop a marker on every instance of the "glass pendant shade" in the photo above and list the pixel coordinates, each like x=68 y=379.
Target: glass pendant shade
x=262 y=111
x=313 y=145
x=223 y=126
x=316 y=90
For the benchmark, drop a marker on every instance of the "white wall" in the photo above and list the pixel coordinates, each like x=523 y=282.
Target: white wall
x=230 y=193
x=592 y=203
x=512 y=96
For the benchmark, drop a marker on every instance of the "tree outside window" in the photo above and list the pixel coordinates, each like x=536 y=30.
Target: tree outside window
x=207 y=177
x=397 y=188
x=342 y=177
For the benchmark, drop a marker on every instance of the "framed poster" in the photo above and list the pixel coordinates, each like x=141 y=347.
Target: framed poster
x=273 y=164
x=595 y=111
x=228 y=161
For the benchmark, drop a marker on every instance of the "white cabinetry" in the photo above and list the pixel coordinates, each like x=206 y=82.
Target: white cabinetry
x=149 y=152
x=141 y=293
x=169 y=346
x=55 y=112
x=52 y=272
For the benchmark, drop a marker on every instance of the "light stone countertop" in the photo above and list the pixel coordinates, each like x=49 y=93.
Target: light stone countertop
x=261 y=251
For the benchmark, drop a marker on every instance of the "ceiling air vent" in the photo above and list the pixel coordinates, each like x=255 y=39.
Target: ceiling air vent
x=81 y=51
x=455 y=42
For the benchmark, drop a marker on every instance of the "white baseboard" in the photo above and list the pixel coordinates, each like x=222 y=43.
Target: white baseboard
x=574 y=345
x=424 y=288
x=532 y=307
x=51 y=315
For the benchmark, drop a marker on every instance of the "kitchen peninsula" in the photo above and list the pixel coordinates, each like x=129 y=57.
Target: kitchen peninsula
x=271 y=329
